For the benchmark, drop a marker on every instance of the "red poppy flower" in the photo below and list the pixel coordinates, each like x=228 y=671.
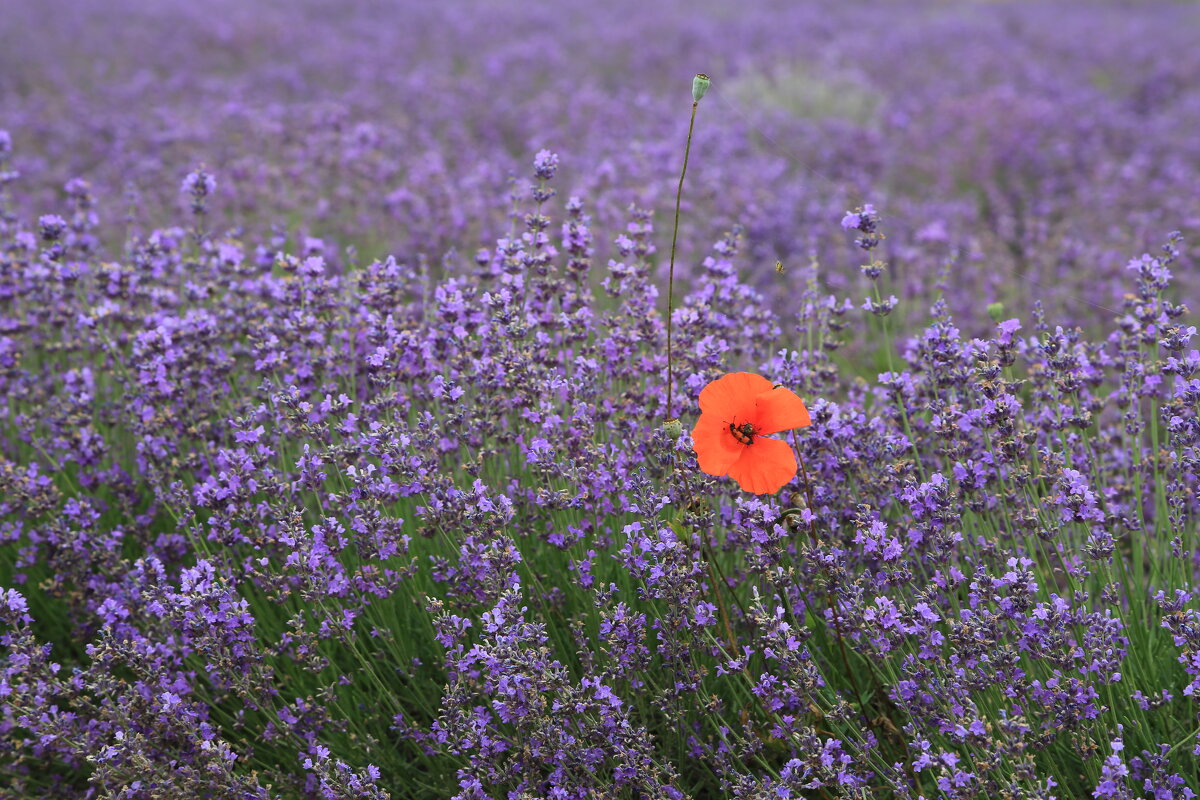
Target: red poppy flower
x=737 y=412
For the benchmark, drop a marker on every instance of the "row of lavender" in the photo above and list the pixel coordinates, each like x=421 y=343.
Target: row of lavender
x=282 y=520
x=275 y=530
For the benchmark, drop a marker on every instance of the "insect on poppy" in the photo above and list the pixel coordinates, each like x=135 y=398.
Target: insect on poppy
x=738 y=412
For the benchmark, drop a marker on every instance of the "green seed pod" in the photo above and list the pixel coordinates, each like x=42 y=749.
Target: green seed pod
x=700 y=85
x=996 y=311
x=673 y=428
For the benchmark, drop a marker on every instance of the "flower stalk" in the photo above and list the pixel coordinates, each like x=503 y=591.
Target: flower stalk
x=700 y=86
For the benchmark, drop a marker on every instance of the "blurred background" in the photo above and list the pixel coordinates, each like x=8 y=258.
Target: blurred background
x=1024 y=151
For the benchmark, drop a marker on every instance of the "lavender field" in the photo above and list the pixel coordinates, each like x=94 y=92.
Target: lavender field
x=341 y=455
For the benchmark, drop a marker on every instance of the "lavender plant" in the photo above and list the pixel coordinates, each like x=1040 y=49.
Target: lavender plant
x=334 y=468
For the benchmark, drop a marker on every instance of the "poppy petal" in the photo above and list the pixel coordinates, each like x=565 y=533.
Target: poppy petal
x=731 y=396
x=778 y=410
x=765 y=467
x=715 y=447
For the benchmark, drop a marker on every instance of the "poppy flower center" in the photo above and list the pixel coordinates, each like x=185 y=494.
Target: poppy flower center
x=744 y=433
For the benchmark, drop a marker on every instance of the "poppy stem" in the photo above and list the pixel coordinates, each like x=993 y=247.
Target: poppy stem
x=837 y=627
x=812 y=533
x=674 y=238
x=717 y=583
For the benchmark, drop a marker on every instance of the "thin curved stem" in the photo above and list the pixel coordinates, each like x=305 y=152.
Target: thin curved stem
x=671 y=274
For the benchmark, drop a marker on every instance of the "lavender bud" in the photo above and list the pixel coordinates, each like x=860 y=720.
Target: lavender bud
x=52 y=227
x=545 y=164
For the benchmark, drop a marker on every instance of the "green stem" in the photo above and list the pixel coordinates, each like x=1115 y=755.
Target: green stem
x=837 y=627
x=674 y=238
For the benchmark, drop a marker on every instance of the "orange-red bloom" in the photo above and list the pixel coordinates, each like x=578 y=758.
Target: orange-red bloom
x=737 y=412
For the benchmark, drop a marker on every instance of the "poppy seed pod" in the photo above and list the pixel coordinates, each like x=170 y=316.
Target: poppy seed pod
x=700 y=85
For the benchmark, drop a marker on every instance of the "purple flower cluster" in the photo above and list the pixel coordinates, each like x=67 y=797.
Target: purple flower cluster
x=297 y=500
x=292 y=509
